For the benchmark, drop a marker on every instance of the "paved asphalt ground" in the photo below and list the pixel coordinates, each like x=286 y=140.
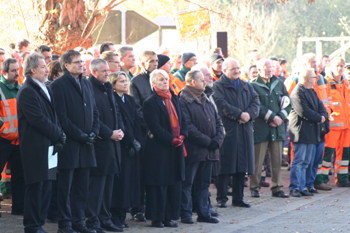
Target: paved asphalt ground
x=328 y=211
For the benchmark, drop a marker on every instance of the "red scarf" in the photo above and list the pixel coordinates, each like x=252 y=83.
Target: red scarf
x=174 y=120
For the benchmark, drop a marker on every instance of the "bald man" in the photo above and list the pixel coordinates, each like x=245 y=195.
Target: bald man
x=238 y=106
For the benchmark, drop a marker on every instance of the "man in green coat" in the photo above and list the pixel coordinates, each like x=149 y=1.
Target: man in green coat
x=269 y=129
x=188 y=60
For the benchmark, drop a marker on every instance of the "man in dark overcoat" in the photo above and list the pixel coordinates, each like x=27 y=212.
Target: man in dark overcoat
x=40 y=138
x=107 y=151
x=205 y=136
x=238 y=106
x=77 y=112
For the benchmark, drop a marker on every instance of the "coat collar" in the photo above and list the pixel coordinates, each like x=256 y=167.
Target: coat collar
x=4 y=81
x=36 y=86
x=100 y=85
x=190 y=98
x=273 y=82
x=227 y=84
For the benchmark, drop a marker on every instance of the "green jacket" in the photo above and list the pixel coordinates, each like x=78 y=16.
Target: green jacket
x=173 y=70
x=270 y=97
x=181 y=73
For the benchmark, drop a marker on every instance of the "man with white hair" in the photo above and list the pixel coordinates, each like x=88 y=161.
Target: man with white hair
x=306 y=115
x=269 y=129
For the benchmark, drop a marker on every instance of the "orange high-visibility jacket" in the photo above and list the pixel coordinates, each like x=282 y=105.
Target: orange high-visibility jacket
x=172 y=84
x=8 y=111
x=338 y=103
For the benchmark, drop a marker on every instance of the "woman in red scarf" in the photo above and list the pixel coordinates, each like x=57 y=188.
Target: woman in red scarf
x=163 y=159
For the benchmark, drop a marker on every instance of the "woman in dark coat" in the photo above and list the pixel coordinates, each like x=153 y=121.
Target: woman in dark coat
x=163 y=159
x=126 y=192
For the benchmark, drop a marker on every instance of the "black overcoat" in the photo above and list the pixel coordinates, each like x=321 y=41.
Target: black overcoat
x=38 y=129
x=129 y=180
x=77 y=113
x=237 y=151
x=107 y=151
x=204 y=125
x=163 y=163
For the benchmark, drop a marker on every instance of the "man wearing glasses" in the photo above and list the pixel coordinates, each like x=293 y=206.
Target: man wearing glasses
x=78 y=115
x=112 y=58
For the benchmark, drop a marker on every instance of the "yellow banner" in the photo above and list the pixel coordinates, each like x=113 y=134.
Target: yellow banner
x=194 y=24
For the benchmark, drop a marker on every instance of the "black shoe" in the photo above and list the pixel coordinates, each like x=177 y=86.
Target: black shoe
x=67 y=229
x=112 y=227
x=305 y=193
x=222 y=205
x=188 y=220
x=295 y=193
x=313 y=190
x=264 y=184
x=158 y=224
x=280 y=194
x=255 y=193
x=241 y=203
x=83 y=229
x=213 y=213
x=40 y=231
x=98 y=229
x=139 y=217
x=343 y=184
x=208 y=220
x=169 y=223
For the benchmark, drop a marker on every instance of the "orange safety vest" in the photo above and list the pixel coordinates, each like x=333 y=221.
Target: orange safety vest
x=8 y=115
x=338 y=103
x=21 y=76
x=212 y=73
x=178 y=83
x=6 y=174
x=172 y=84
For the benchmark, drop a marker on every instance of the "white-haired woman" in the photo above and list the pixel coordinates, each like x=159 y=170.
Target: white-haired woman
x=163 y=160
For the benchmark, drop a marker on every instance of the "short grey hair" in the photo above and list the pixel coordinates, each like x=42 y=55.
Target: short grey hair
x=31 y=62
x=5 y=66
x=123 y=49
x=226 y=61
x=192 y=75
x=96 y=63
x=307 y=57
x=153 y=76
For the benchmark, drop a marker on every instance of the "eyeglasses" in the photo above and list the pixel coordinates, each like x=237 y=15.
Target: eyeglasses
x=78 y=62
x=233 y=69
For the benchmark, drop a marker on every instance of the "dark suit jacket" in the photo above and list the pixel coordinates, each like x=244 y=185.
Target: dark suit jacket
x=163 y=163
x=107 y=150
x=77 y=113
x=38 y=129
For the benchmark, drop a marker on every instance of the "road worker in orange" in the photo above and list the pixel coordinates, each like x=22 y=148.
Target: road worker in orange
x=337 y=140
x=9 y=141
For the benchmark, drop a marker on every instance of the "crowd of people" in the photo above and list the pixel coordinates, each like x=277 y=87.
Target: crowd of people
x=95 y=134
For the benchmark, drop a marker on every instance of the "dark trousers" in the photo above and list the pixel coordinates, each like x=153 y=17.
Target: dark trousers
x=237 y=187
x=53 y=208
x=73 y=190
x=11 y=153
x=99 y=201
x=198 y=175
x=36 y=205
x=163 y=201
x=118 y=216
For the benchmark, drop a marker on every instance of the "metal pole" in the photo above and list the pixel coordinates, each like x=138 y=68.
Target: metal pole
x=123 y=42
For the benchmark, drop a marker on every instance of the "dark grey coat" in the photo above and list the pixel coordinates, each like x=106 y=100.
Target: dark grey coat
x=204 y=125
x=38 y=129
x=237 y=151
x=77 y=113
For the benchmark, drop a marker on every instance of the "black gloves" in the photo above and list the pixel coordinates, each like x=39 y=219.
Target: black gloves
x=87 y=139
x=213 y=145
x=62 y=138
x=57 y=147
x=136 y=147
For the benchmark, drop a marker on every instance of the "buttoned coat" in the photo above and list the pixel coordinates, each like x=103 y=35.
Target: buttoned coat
x=237 y=151
x=77 y=113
